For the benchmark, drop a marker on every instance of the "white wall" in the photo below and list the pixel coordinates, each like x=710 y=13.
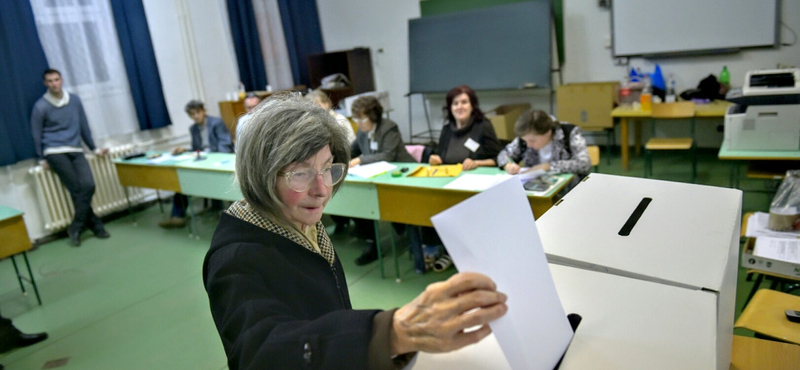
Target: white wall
x=384 y=24
x=196 y=64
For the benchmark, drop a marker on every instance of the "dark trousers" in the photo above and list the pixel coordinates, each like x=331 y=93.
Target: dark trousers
x=74 y=171
x=8 y=335
x=180 y=203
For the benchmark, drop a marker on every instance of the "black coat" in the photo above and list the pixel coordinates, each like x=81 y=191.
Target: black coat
x=278 y=305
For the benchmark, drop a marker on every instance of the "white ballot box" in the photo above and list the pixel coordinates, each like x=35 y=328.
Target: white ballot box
x=674 y=234
x=626 y=324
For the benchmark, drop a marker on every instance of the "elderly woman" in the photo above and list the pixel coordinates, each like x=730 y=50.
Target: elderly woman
x=277 y=291
x=467 y=137
x=546 y=144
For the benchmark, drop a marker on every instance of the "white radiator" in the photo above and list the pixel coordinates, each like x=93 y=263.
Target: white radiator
x=109 y=196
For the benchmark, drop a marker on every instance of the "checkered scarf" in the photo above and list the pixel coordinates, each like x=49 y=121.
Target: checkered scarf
x=242 y=210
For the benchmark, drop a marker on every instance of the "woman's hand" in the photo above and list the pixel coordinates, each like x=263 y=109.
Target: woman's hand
x=435 y=321
x=469 y=164
x=177 y=151
x=512 y=168
x=434 y=160
x=355 y=161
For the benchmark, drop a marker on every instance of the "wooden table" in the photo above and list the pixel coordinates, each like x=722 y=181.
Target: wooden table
x=625 y=114
x=15 y=240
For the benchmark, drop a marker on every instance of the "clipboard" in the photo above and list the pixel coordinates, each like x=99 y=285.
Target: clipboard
x=450 y=170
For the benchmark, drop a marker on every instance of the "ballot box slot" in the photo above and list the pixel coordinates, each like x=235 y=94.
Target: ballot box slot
x=634 y=217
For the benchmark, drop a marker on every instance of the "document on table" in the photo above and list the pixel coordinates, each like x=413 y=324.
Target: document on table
x=780 y=249
x=473 y=182
x=526 y=174
x=757 y=227
x=171 y=158
x=371 y=170
x=535 y=333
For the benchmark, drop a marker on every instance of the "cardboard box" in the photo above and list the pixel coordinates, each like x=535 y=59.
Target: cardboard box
x=587 y=105
x=686 y=236
x=504 y=118
x=749 y=260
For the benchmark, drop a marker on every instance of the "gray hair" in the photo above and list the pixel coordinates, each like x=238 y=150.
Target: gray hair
x=283 y=130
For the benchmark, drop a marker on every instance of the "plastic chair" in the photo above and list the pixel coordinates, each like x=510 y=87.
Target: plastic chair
x=765 y=315
x=671 y=111
x=594 y=156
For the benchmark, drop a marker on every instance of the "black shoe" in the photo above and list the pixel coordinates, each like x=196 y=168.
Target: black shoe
x=20 y=340
x=74 y=238
x=102 y=234
x=370 y=254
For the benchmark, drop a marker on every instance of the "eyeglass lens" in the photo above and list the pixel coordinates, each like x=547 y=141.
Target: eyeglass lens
x=301 y=180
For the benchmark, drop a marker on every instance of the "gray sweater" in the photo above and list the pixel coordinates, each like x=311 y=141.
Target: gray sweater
x=54 y=127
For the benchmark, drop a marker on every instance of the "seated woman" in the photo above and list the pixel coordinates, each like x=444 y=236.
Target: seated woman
x=378 y=139
x=323 y=100
x=544 y=143
x=467 y=136
x=276 y=287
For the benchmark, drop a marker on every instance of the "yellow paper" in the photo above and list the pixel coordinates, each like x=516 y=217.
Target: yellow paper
x=451 y=170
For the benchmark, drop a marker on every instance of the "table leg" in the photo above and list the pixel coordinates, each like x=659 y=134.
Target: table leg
x=637 y=137
x=378 y=245
x=623 y=126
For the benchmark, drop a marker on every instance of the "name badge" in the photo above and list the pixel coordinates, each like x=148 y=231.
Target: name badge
x=472 y=145
x=373 y=145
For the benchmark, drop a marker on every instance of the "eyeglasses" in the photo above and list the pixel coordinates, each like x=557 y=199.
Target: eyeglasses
x=361 y=120
x=301 y=180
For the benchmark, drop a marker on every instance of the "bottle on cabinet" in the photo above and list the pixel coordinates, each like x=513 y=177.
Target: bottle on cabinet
x=646 y=98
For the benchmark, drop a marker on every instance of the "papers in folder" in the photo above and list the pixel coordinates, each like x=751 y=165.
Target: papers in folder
x=371 y=170
x=535 y=332
x=780 y=249
x=450 y=170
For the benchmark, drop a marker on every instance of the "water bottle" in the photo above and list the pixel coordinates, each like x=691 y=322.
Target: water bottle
x=242 y=93
x=725 y=77
x=625 y=92
x=671 y=97
x=646 y=98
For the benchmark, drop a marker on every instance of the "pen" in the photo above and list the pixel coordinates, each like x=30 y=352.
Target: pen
x=434 y=171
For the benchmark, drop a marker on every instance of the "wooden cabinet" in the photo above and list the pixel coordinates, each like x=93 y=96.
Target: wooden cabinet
x=354 y=64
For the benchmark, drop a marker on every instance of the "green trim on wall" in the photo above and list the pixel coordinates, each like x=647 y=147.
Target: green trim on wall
x=434 y=7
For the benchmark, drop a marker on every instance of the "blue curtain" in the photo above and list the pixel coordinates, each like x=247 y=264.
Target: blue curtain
x=303 y=35
x=246 y=42
x=22 y=62
x=140 y=63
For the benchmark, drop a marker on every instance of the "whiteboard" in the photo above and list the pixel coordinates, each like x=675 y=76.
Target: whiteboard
x=644 y=27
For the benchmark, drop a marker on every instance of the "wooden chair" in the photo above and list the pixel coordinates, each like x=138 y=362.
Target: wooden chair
x=671 y=111
x=765 y=315
x=594 y=156
x=759 y=354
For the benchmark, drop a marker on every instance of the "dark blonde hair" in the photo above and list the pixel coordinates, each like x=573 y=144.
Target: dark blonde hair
x=534 y=121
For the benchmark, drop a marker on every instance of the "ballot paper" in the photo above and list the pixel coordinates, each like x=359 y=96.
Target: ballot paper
x=534 y=333
x=757 y=227
x=371 y=170
x=780 y=249
x=473 y=182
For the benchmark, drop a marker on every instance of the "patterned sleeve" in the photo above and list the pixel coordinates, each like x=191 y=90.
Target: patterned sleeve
x=580 y=162
x=512 y=151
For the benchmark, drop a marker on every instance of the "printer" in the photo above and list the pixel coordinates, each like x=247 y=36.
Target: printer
x=766 y=113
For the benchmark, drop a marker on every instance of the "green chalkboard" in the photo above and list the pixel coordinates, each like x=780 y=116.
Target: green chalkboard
x=434 y=7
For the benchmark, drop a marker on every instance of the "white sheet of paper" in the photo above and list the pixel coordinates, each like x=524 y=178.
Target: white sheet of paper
x=526 y=174
x=778 y=249
x=757 y=227
x=473 y=182
x=371 y=170
x=494 y=233
x=169 y=157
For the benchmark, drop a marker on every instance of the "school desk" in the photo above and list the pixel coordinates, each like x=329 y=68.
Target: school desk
x=762 y=164
x=15 y=239
x=626 y=323
x=715 y=109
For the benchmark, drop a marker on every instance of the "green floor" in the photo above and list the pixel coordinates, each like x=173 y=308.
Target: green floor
x=136 y=301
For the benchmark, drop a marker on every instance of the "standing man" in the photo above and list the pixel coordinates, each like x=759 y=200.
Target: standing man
x=209 y=133
x=58 y=124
